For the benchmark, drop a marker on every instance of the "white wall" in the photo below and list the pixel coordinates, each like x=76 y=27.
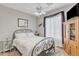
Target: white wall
x=41 y=18
x=40 y=29
x=9 y=21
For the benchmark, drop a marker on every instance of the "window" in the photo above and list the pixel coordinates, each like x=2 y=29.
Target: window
x=54 y=27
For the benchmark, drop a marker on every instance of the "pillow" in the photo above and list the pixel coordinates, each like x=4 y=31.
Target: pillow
x=29 y=34
x=20 y=35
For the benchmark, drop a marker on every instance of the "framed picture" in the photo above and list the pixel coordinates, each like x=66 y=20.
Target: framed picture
x=22 y=22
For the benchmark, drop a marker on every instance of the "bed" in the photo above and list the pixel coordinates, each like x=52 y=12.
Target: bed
x=30 y=45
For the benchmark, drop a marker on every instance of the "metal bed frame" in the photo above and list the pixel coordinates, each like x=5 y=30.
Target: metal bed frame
x=44 y=52
x=21 y=31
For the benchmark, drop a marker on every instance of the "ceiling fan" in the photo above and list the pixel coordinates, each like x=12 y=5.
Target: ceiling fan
x=39 y=9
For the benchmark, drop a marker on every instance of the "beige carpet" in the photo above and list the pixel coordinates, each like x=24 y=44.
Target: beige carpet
x=14 y=52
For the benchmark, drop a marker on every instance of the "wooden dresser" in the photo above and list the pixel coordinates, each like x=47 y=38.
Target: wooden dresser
x=71 y=36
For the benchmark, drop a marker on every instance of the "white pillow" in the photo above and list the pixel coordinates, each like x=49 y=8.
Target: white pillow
x=20 y=35
x=29 y=34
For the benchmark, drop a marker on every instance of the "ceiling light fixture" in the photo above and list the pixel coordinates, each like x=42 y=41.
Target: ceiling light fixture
x=40 y=11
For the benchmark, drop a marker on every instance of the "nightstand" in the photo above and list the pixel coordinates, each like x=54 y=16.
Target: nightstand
x=37 y=34
x=6 y=45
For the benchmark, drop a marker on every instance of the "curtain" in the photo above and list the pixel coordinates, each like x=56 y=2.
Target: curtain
x=54 y=28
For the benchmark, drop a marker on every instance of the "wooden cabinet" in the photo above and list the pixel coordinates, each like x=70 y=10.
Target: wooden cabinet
x=71 y=36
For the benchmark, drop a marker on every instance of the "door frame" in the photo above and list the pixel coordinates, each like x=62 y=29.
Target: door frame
x=63 y=20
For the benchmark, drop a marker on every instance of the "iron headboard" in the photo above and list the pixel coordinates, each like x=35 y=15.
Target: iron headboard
x=22 y=31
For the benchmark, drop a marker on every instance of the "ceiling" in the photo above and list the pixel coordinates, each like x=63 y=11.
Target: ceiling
x=30 y=8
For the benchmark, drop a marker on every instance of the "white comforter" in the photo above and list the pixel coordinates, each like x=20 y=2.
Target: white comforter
x=25 y=45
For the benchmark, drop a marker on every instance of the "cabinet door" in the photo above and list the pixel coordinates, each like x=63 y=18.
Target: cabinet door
x=73 y=30
x=66 y=38
x=67 y=47
x=77 y=50
x=73 y=50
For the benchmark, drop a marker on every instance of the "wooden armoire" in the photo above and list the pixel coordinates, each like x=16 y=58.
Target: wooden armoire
x=71 y=36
